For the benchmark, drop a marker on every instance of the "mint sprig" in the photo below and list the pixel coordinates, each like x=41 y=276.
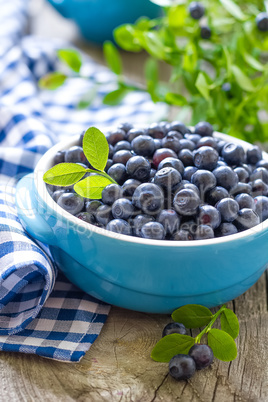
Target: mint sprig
x=221 y=340
x=96 y=150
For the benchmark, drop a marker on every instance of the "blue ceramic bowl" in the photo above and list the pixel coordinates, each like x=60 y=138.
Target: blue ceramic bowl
x=98 y=18
x=155 y=276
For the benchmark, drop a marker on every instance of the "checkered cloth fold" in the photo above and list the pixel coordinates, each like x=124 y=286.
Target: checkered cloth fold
x=41 y=312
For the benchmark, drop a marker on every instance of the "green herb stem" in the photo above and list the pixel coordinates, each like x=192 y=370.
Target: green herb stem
x=209 y=326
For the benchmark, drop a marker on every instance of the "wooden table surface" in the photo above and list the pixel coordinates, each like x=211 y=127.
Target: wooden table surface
x=118 y=366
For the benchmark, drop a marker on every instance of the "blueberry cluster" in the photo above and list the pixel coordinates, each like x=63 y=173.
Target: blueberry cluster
x=182 y=366
x=174 y=183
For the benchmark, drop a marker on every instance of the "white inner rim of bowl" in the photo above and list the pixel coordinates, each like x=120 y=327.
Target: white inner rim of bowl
x=46 y=162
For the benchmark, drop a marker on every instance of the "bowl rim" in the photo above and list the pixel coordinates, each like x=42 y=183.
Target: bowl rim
x=45 y=163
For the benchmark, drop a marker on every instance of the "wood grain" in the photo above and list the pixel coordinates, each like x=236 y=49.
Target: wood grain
x=118 y=366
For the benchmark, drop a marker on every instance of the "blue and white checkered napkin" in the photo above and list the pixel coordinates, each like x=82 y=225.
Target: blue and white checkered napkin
x=41 y=312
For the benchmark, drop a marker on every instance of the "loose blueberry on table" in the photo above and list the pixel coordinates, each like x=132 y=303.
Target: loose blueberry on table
x=168 y=179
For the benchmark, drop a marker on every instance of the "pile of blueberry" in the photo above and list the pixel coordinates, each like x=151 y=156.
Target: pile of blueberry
x=174 y=183
x=182 y=366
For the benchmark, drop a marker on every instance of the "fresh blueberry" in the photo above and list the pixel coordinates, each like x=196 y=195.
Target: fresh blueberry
x=134 y=133
x=170 y=220
x=56 y=194
x=260 y=173
x=261 y=207
x=204 y=180
x=193 y=137
x=81 y=138
x=226 y=177
x=188 y=172
x=75 y=154
x=149 y=198
x=187 y=185
x=204 y=129
x=254 y=155
x=111 y=193
x=204 y=232
x=226 y=229
x=259 y=188
x=91 y=206
x=172 y=162
x=186 y=202
x=122 y=156
x=155 y=130
x=207 y=142
x=115 y=136
x=241 y=188
x=167 y=178
x=157 y=143
x=182 y=235
x=71 y=202
x=59 y=157
x=125 y=126
x=138 y=168
x=226 y=87
x=262 y=163
x=86 y=217
x=206 y=158
x=174 y=328
x=262 y=22
x=119 y=226
x=196 y=10
x=233 y=154
x=202 y=355
x=228 y=209
x=122 y=145
x=118 y=172
x=174 y=134
x=246 y=219
x=216 y=194
x=143 y=145
x=122 y=208
x=180 y=127
x=209 y=215
x=139 y=221
x=187 y=144
x=109 y=163
x=161 y=154
x=205 y=32
x=242 y=173
x=129 y=187
x=104 y=214
x=245 y=201
x=171 y=142
x=111 y=151
x=186 y=156
x=153 y=230
x=182 y=367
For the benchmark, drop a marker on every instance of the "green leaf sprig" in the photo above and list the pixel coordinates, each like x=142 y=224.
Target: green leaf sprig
x=96 y=150
x=221 y=340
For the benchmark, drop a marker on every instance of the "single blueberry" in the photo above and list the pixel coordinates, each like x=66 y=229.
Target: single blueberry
x=116 y=136
x=56 y=195
x=118 y=172
x=156 y=130
x=204 y=129
x=204 y=232
x=172 y=162
x=186 y=202
x=171 y=142
x=186 y=156
x=259 y=188
x=182 y=367
x=226 y=177
x=207 y=142
x=193 y=137
x=143 y=145
x=122 y=145
x=241 y=188
x=104 y=214
x=125 y=126
x=139 y=221
x=206 y=158
x=111 y=193
x=161 y=154
x=233 y=154
x=262 y=163
x=216 y=194
x=209 y=215
x=174 y=328
x=149 y=198
x=204 y=180
x=205 y=32
x=59 y=157
x=75 y=154
x=188 y=172
x=196 y=10
x=202 y=355
x=157 y=143
x=133 y=133
x=226 y=229
x=170 y=220
x=254 y=155
x=246 y=219
x=260 y=173
x=228 y=209
x=86 y=217
x=167 y=178
x=187 y=144
x=153 y=230
x=262 y=21
x=129 y=187
x=71 y=202
x=119 y=226
x=138 y=168
x=242 y=173
x=180 y=127
x=122 y=156
x=122 y=208
x=261 y=207
x=245 y=200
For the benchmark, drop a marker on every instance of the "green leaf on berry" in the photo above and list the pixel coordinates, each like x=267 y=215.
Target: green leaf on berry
x=222 y=344
x=64 y=174
x=96 y=148
x=92 y=186
x=192 y=315
x=70 y=57
x=52 y=80
x=170 y=346
x=112 y=57
x=229 y=323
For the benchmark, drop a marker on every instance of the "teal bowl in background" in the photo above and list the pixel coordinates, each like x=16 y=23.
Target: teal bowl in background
x=98 y=18
x=140 y=274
